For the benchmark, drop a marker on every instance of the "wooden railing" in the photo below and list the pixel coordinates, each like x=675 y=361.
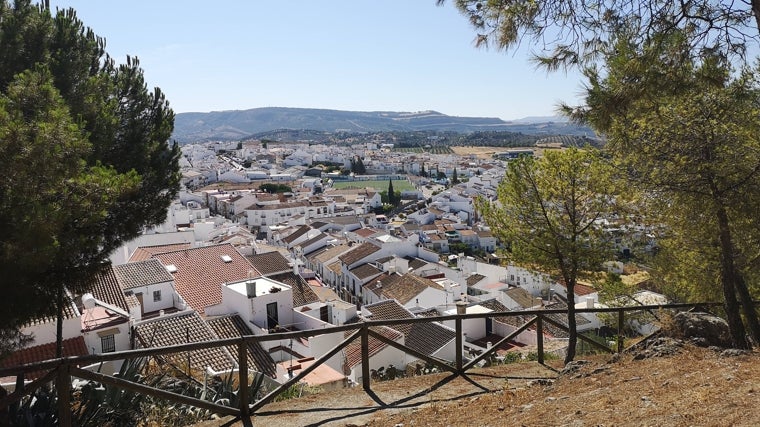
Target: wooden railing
x=64 y=369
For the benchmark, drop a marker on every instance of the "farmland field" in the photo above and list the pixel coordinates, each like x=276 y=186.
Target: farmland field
x=398 y=185
x=430 y=150
x=488 y=152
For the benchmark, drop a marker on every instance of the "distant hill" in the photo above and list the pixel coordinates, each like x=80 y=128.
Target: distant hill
x=240 y=124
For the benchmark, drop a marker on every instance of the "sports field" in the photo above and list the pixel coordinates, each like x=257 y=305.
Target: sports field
x=398 y=185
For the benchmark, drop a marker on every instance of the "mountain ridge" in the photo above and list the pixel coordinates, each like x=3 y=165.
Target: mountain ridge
x=240 y=124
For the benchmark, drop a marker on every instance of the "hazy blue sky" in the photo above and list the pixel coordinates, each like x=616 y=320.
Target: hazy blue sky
x=397 y=55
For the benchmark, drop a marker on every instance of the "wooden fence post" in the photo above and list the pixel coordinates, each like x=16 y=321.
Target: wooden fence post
x=540 y=338
x=63 y=388
x=365 y=358
x=621 y=320
x=461 y=310
x=243 y=379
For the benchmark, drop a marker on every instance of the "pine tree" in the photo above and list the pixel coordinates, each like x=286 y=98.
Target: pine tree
x=454 y=177
x=118 y=175
x=391 y=194
x=547 y=210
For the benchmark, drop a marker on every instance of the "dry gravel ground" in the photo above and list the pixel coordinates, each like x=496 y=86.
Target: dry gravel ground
x=696 y=387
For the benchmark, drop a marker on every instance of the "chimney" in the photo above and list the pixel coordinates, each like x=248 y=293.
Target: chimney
x=461 y=307
x=589 y=302
x=250 y=288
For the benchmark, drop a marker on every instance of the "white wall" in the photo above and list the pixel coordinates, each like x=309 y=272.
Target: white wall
x=167 y=296
x=121 y=338
x=527 y=337
x=385 y=357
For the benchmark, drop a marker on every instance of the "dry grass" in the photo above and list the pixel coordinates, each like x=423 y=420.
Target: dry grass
x=695 y=388
x=488 y=152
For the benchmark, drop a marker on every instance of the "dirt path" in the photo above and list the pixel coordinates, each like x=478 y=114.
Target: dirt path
x=354 y=407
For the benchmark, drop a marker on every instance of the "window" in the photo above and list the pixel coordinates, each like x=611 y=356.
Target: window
x=108 y=344
x=156 y=296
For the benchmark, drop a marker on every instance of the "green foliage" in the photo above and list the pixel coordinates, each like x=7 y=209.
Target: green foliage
x=574 y=32
x=275 y=188
x=547 y=211
x=512 y=357
x=357 y=166
x=687 y=131
x=84 y=153
x=393 y=198
x=533 y=356
x=381 y=186
x=104 y=404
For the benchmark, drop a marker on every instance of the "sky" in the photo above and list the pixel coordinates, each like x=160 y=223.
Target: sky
x=359 y=55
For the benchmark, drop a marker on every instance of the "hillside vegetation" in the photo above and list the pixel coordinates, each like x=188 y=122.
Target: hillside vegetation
x=318 y=124
x=694 y=387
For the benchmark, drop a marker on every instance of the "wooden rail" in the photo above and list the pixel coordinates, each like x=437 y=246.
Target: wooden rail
x=62 y=370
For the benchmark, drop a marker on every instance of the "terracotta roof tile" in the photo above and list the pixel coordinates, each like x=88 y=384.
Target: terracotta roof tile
x=202 y=271
x=353 y=350
x=146 y=252
x=380 y=282
x=71 y=347
x=365 y=271
x=474 y=279
x=269 y=263
x=366 y=232
x=407 y=287
x=234 y=326
x=105 y=287
x=426 y=338
x=70 y=311
x=181 y=329
x=416 y=263
x=358 y=253
x=335 y=267
x=142 y=273
x=331 y=253
x=302 y=293
x=296 y=234
x=522 y=297
x=315 y=239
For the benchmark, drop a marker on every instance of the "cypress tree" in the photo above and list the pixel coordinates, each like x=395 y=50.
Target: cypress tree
x=391 y=194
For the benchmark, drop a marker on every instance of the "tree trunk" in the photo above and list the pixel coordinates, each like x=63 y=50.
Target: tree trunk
x=756 y=12
x=748 y=308
x=572 y=327
x=59 y=322
x=729 y=280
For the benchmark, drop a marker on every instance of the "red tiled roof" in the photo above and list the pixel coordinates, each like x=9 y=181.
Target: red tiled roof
x=426 y=338
x=201 y=272
x=354 y=349
x=366 y=232
x=358 y=253
x=269 y=263
x=300 y=231
x=365 y=271
x=234 y=326
x=302 y=292
x=407 y=287
x=71 y=347
x=580 y=289
x=181 y=329
x=141 y=273
x=105 y=287
x=145 y=252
